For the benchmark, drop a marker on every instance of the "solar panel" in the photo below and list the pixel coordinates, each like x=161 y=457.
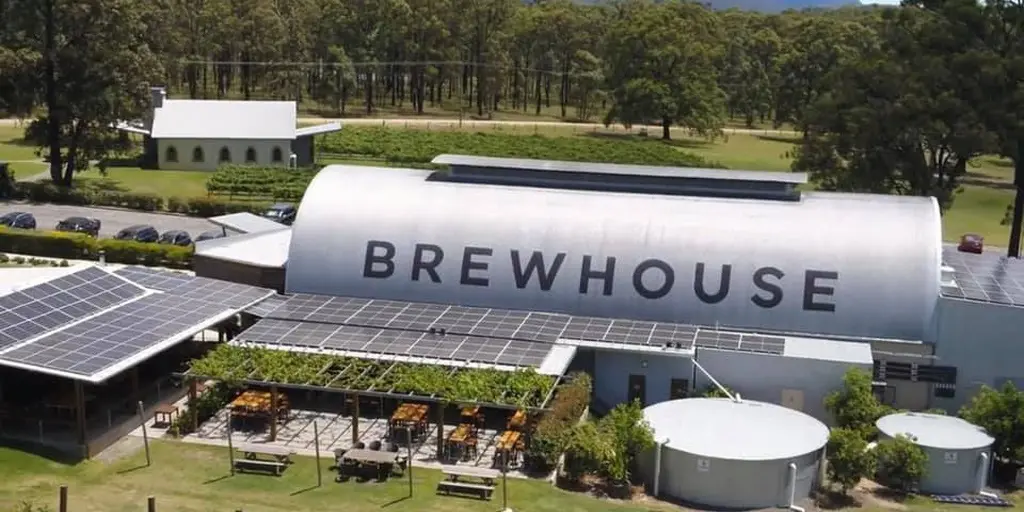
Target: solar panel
x=971 y=499
x=586 y=328
x=987 y=277
x=264 y=307
x=105 y=340
x=673 y=334
x=762 y=344
x=35 y=310
x=318 y=308
x=154 y=279
x=629 y=331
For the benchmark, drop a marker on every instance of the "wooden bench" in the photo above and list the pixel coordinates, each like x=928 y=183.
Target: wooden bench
x=257 y=465
x=449 y=486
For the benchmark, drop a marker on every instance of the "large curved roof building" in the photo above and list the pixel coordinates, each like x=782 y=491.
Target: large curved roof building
x=638 y=272
x=840 y=264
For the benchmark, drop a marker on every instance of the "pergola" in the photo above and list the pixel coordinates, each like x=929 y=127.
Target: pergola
x=356 y=377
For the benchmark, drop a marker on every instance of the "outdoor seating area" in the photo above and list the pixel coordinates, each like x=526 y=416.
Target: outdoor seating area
x=274 y=459
x=375 y=448
x=257 y=406
x=462 y=480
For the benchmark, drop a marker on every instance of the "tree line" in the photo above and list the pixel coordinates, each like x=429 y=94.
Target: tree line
x=886 y=99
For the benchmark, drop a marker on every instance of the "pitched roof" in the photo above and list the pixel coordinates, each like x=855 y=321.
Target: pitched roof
x=224 y=119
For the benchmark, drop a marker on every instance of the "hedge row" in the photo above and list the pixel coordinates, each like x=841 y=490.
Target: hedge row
x=553 y=430
x=195 y=206
x=52 y=244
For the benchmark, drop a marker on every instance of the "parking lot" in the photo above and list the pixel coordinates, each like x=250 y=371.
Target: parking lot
x=113 y=220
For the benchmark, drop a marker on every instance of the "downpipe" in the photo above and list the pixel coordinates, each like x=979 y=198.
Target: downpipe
x=792 y=490
x=983 y=477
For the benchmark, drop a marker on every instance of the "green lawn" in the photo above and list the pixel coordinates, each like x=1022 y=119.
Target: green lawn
x=187 y=477
x=159 y=182
x=193 y=478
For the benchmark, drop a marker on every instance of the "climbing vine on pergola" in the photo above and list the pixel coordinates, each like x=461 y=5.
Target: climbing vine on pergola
x=522 y=388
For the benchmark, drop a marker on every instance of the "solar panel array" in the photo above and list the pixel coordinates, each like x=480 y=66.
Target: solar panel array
x=113 y=336
x=265 y=306
x=90 y=321
x=33 y=311
x=987 y=277
x=535 y=327
x=394 y=342
x=190 y=287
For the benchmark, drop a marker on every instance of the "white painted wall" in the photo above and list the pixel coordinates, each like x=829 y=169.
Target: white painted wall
x=211 y=151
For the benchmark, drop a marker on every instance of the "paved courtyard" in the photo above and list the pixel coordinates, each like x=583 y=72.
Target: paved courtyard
x=335 y=432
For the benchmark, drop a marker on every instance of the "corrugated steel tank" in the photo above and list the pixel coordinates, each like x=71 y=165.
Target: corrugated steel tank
x=856 y=265
x=958 y=451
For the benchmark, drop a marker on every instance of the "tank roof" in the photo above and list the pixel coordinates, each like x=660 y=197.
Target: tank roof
x=935 y=430
x=724 y=429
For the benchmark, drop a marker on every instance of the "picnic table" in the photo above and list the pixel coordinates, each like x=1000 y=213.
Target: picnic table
x=164 y=414
x=508 y=445
x=409 y=416
x=382 y=462
x=277 y=459
x=258 y=403
x=456 y=481
x=462 y=440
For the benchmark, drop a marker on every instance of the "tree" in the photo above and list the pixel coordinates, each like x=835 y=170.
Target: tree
x=674 y=82
x=901 y=463
x=93 y=65
x=855 y=407
x=848 y=458
x=897 y=121
x=1001 y=413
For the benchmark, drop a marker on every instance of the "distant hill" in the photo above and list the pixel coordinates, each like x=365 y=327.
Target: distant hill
x=768 y=6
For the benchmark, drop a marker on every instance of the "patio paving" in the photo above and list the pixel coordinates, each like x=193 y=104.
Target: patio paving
x=335 y=432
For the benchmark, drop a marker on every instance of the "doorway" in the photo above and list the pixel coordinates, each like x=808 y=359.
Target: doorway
x=637 y=389
x=678 y=388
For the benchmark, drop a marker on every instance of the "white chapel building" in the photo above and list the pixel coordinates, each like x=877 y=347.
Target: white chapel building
x=206 y=134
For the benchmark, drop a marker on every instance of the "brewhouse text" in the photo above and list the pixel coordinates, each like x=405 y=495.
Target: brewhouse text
x=818 y=285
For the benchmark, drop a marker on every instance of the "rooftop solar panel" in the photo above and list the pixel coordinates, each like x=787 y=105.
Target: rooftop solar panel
x=987 y=277
x=154 y=279
x=264 y=307
x=94 y=348
x=33 y=311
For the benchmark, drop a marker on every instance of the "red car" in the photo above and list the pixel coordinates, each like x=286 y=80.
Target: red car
x=971 y=243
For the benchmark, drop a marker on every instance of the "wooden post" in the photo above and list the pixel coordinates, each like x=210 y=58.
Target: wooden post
x=504 y=481
x=145 y=435
x=273 y=413
x=355 y=418
x=80 y=412
x=408 y=457
x=316 y=446
x=135 y=381
x=151 y=504
x=193 y=396
x=231 y=449
x=63 y=507
x=440 y=429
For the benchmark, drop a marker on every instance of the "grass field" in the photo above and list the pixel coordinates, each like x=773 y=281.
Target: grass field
x=978 y=208
x=194 y=478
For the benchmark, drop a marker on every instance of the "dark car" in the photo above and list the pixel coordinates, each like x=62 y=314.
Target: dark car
x=281 y=212
x=175 y=237
x=971 y=243
x=210 y=235
x=20 y=220
x=80 y=225
x=138 y=233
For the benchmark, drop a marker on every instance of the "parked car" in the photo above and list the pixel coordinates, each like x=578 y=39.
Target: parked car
x=281 y=212
x=175 y=237
x=20 y=220
x=138 y=233
x=971 y=243
x=86 y=225
x=210 y=235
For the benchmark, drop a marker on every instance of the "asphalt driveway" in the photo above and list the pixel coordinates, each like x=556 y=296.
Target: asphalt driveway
x=113 y=220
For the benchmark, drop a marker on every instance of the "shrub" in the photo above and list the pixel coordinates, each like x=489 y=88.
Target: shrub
x=554 y=430
x=196 y=206
x=901 y=463
x=53 y=244
x=848 y=458
x=207 y=404
x=855 y=407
